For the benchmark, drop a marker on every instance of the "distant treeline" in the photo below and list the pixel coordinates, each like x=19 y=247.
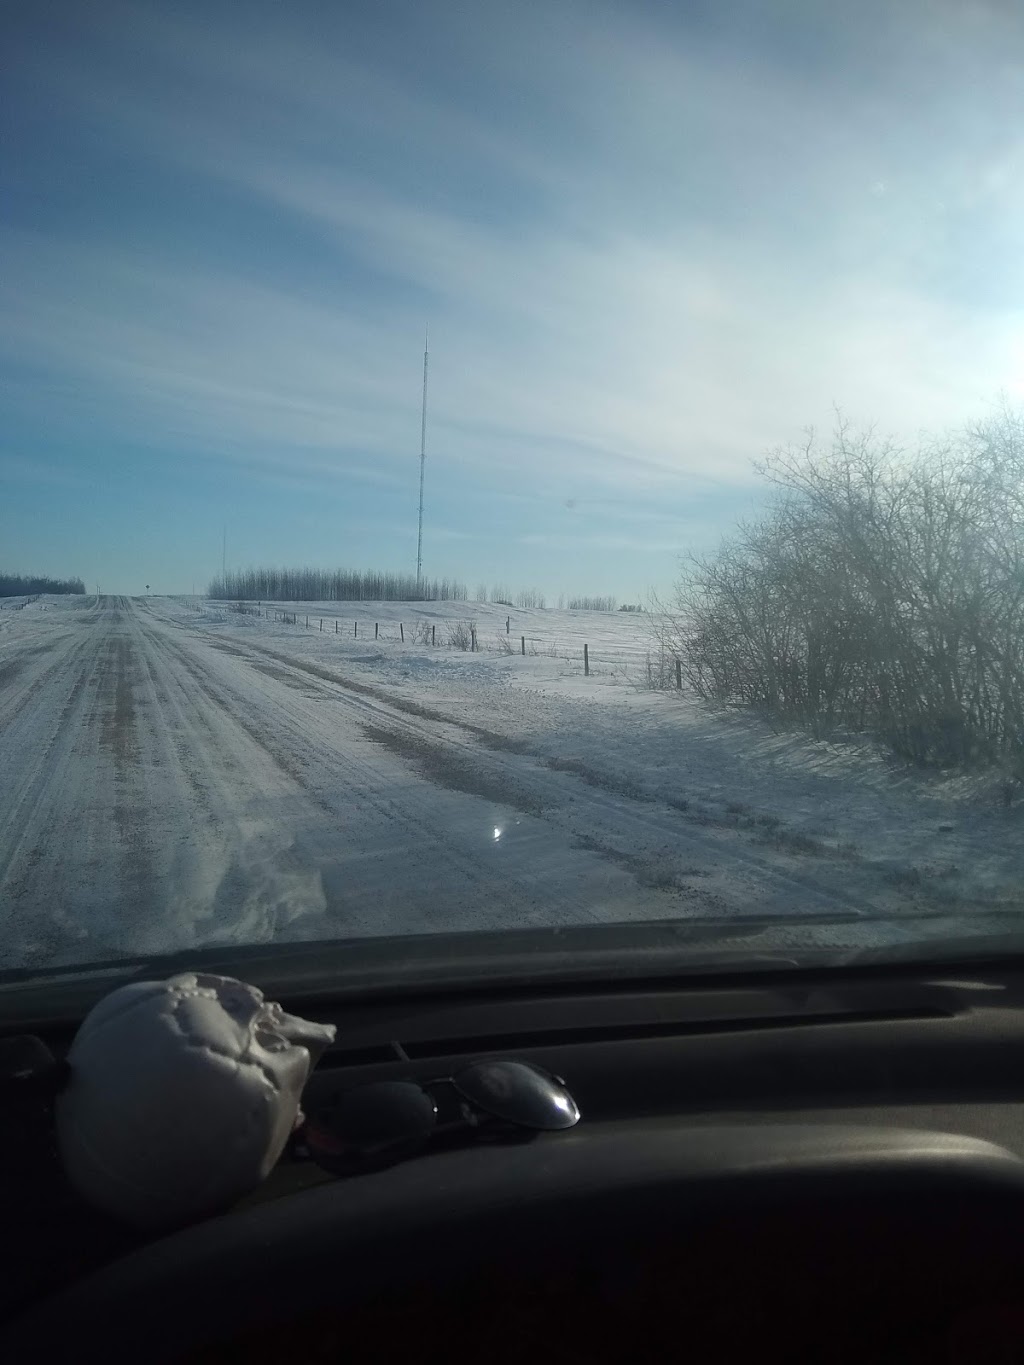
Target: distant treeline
x=333 y=585
x=592 y=603
x=21 y=585
x=503 y=596
x=356 y=585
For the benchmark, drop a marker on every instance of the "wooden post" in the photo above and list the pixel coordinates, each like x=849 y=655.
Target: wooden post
x=679 y=675
x=321 y=625
x=472 y=636
x=586 y=661
x=522 y=641
x=376 y=629
x=355 y=629
x=432 y=637
x=402 y=629
x=508 y=625
x=335 y=625
x=307 y=623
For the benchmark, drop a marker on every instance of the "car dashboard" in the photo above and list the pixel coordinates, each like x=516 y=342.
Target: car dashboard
x=819 y=1166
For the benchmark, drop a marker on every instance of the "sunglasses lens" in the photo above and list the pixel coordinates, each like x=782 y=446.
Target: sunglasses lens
x=519 y=1093
x=373 y=1125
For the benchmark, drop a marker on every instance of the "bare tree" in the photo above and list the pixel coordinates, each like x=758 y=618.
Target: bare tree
x=882 y=590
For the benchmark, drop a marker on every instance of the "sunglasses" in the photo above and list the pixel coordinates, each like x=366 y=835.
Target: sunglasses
x=373 y=1126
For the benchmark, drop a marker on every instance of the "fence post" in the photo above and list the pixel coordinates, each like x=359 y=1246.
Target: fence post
x=355 y=629
x=321 y=624
x=472 y=636
x=432 y=630
x=586 y=661
x=402 y=629
x=335 y=625
x=679 y=675
x=307 y=623
x=376 y=629
x=508 y=625
x=522 y=641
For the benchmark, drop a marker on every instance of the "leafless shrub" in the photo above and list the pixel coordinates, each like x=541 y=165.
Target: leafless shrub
x=882 y=591
x=659 y=671
x=460 y=635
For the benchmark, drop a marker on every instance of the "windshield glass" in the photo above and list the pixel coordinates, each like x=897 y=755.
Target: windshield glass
x=496 y=467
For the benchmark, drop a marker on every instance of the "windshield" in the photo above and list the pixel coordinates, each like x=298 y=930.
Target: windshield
x=497 y=468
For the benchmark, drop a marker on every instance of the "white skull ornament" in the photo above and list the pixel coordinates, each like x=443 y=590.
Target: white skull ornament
x=182 y=1096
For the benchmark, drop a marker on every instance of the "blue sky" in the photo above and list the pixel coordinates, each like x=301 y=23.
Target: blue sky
x=651 y=241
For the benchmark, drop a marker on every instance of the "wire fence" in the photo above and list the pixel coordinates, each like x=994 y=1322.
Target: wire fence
x=625 y=649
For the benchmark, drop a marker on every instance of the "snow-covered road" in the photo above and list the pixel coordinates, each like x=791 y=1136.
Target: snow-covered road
x=162 y=790
x=168 y=784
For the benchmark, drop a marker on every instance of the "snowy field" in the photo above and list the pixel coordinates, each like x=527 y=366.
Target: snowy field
x=178 y=773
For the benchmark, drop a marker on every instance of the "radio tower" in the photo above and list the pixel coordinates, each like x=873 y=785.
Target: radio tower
x=423 y=461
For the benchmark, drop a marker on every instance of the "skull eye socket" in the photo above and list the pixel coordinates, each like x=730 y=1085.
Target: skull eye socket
x=269 y=1040
x=238 y=1004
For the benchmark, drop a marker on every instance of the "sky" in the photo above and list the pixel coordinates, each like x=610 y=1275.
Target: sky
x=651 y=241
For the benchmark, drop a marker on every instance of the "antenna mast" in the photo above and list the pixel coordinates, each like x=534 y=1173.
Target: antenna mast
x=423 y=461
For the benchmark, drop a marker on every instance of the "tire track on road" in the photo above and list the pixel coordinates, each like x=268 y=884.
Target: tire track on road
x=627 y=819
x=37 y=751
x=319 y=772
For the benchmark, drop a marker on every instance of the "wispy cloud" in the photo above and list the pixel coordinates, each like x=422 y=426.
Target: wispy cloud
x=646 y=252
